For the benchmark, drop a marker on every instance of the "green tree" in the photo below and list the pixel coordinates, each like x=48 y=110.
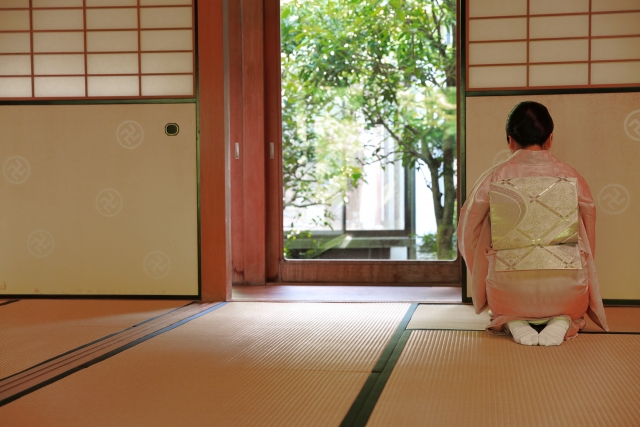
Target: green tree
x=320 y=152
x=393 y=63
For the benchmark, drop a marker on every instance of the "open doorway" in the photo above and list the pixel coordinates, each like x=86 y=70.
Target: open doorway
x=359 y=143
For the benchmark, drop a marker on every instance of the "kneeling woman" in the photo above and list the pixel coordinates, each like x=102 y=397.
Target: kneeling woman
x=527 y=234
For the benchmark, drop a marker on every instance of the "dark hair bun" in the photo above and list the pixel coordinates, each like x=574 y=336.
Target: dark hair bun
x=529 y=123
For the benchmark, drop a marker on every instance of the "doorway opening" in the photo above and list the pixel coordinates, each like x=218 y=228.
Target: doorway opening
x=369 y=129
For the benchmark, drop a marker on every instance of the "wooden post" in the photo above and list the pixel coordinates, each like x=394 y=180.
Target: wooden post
x=254 y=144
x=214 y=159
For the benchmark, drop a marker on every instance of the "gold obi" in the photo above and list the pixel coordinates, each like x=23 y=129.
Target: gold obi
x=534 y=223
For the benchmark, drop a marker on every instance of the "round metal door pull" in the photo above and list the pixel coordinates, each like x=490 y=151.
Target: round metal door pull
x=171 y=129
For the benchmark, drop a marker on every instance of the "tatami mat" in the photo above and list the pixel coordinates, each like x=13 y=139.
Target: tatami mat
x=350 y=293
x=32 y=331
x=244 y=364
x=620 y=319
x=465 y=378
x=463 y=317
x=448 y=316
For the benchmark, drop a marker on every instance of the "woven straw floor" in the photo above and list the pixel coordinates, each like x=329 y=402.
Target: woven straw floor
x=244 y=364
x=448 y=316
x=294 y=364
x=32 y=331
x=466 y=378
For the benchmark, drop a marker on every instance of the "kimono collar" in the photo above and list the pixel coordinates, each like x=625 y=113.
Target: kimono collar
x=533 y=157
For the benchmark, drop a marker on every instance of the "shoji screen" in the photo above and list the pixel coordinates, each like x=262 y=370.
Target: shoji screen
x=555 y=52
x=550 y=43
x=96 y=48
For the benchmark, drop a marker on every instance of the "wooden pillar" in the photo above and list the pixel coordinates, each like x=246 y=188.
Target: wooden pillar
x=253 y=158
x=214 y=159
x=273 y=134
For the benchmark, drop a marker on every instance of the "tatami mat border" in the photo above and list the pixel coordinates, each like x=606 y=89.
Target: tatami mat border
x=363 y=405
x=608 y=333
x=92 y=342
x=81 y=297
x=9 y=302
x=108 y=354
x=581 y=332
x=365 y=402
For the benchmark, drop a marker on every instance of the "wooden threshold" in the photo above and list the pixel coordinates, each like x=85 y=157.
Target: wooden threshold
x=350 y=293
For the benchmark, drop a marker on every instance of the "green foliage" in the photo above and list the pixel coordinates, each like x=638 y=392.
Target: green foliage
x=348 y=64
x=427 y=243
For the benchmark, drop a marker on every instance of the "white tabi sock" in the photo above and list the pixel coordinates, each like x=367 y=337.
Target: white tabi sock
x=554 y=332
x=523 y=333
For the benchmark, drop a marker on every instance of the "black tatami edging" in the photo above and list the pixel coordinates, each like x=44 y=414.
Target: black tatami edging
x=92 y=342
x=109 y=354
x=9 y=302
x=363 y=405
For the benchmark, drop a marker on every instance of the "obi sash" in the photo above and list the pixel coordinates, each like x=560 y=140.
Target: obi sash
x=534 y=223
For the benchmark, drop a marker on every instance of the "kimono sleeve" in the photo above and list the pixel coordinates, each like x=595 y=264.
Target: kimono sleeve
x=587 y=210
x=474 y=236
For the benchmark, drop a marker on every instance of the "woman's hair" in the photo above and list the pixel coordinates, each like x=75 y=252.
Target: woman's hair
x=529 y=123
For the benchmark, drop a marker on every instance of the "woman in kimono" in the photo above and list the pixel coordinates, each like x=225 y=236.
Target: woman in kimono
x=527 y=234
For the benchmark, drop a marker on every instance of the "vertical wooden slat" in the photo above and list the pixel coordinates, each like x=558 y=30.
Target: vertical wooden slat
x=273 y=134
x=33 y=73
x=253 y=137
x=466 y=44
x=590 y=22
x=84 y=35
x=215 y=254
x=235 y=136
x=528 y=39
x=138 y=11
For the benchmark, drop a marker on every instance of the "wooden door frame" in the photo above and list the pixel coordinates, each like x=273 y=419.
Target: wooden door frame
x=215 y=255
x=256 y=176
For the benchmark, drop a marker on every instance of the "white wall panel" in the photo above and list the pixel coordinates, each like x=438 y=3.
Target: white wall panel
x=498 y=29
x=615 y=24
x=497 y=53
x=559 y=26
x=14 y=42
x=559 y=50
x=613 y=5
x=540 y=7
x=58 y=42
x=59 y=87
x=12 y=65
x=15 y=87
x=615 y=48
x=14 y=20
x=479 y=8
x=559 y=75
x=615 y=72
x=502 y=76
x=57 y=19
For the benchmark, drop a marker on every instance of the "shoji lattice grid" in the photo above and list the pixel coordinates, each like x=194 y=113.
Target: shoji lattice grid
x=524 y=44
x=96 y=49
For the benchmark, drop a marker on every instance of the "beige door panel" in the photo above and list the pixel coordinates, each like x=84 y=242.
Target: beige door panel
x=97 y=199
x=599 y=135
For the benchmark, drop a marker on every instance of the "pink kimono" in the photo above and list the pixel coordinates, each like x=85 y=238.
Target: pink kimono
x=530 y=294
